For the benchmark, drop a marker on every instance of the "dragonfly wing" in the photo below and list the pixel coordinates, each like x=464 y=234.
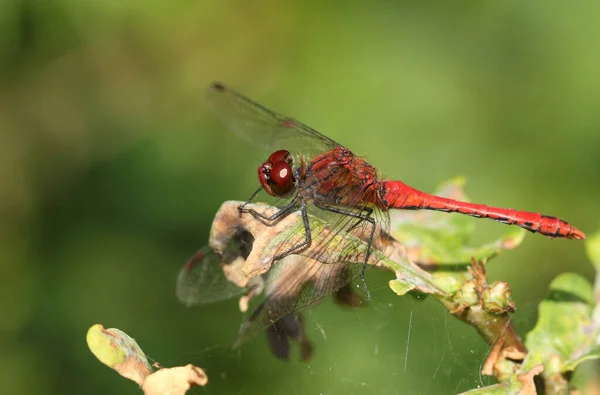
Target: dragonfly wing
x=263 y=127
x=210 y=277
x=202 y=280
x=294 y=283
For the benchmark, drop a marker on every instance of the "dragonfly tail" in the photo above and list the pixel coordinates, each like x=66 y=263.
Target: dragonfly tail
x=398 y=195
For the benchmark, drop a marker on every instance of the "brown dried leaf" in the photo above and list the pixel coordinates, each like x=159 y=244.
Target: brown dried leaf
x=118 y=351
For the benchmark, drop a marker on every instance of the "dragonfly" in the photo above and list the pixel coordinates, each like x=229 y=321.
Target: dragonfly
x=310 y=172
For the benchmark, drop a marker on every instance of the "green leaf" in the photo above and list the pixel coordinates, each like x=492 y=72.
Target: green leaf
x=564 y=323
x=593 y=353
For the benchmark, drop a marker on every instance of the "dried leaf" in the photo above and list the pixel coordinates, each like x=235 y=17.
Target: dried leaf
x=174 y=381
x=120 y=352
x=117 y=350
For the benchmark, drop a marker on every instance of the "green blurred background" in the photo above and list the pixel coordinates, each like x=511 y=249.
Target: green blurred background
x=111 y=169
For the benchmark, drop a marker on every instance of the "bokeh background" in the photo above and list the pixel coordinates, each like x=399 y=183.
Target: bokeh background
x=111 y=169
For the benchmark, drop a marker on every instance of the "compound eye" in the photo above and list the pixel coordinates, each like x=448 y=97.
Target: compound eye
x=281 y=179
x=281 y=155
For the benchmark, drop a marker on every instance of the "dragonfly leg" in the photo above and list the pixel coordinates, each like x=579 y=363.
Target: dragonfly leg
x=307 y=240
x=365 y=217
x=241 y=209
x=287 y=209
x=284 y=211
x=362 y=217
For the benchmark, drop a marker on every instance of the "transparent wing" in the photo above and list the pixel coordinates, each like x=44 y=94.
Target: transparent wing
x=203 y=281
x=295 y=283
x=265 y=128
x=210 y=277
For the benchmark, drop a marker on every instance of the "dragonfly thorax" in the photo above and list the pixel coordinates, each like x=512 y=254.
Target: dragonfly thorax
x=276 y=175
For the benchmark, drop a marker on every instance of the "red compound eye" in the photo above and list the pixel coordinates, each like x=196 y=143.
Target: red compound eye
x=278 y=156
x=281 y=180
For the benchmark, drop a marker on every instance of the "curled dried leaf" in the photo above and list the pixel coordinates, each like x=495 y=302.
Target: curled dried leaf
x=118 y=351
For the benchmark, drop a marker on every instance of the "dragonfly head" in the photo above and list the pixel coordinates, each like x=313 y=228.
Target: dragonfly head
x=276 y=176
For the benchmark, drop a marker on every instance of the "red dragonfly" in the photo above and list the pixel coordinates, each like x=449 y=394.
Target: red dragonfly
x=312 y=171
x=315 y=175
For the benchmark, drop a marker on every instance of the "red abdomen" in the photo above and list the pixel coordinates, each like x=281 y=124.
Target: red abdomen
x=396 y=194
